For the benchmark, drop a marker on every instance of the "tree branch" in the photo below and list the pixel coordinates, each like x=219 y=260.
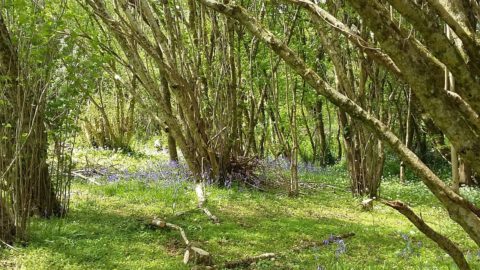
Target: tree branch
x=443 y=242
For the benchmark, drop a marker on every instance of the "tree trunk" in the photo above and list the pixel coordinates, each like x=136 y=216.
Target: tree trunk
x=7 y=227
x=24 y=142
x=408 y=132
x=325 y=155
x=455 y=170
x=466 y=174
x=172 y=144
x=44 y=201
x=294 y=190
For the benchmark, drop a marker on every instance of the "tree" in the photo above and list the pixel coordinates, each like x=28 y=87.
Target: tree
x=413 y=63
x=205 y=122
x=26 y=184
x=30 y=44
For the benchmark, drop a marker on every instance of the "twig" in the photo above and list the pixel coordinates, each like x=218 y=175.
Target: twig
x=211 y=216
x=89 y=179
x=8 y=245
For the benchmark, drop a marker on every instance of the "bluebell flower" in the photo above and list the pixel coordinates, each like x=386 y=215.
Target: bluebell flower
x=342 y=248
x=112 y=178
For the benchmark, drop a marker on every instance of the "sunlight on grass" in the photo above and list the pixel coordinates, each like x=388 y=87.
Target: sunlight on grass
x=106 y=228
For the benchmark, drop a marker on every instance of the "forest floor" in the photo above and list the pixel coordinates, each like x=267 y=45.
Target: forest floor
x=107 y=225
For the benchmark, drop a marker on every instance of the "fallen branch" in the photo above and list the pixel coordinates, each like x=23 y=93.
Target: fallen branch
x=248 y=261
x=205 y=210
x=182 y=213
x=202 y=200
x=192 y=254
x=211 y=216
x=89 y=179
x=443 y=242
x=7 y=245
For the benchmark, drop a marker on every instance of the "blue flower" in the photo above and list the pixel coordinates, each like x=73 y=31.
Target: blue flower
x=342 y=248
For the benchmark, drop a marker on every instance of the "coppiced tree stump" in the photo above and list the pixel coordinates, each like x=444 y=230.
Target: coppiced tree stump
x=367 y=204
x=197 y=256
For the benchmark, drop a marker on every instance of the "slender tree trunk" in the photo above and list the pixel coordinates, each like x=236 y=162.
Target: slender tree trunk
x=450 y=86
x=455 y=170
x=7 y=227
x=338 y=137
x=172 y=144
x=465 y=175
x=44 y=201
x=408 y=133
x=322 y=138
x=293 y=191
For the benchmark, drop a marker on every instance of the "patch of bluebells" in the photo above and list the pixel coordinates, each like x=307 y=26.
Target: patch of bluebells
x=276 y=163
x=410 y=247
x=170 y=173
x=228 y=182
x=341 y=248
x=167 y=173
x=283 y=163
x=341 y=245
x=112 y=178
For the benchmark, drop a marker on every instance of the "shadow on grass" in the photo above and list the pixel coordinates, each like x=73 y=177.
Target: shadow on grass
x=94 y=237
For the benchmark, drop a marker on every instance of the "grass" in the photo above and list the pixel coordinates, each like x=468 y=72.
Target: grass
x=106 y=228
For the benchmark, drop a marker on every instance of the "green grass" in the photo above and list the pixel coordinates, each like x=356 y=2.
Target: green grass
x=106 y=228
